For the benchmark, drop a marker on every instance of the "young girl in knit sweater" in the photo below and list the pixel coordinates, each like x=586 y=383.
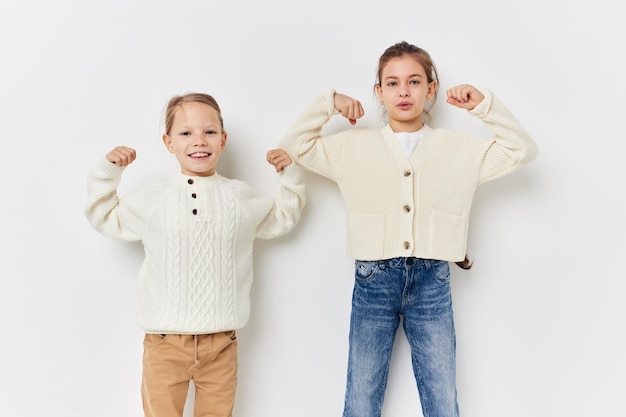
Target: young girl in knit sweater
x=197 y=229
x=407 y=189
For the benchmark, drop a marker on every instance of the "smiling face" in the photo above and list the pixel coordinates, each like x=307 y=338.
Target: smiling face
x=196 y=137
x=404 y=89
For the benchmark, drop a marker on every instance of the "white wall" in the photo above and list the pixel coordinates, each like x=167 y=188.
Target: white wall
x=540 y=319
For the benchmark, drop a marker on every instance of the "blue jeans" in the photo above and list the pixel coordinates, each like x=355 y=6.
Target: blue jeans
x=418 y=291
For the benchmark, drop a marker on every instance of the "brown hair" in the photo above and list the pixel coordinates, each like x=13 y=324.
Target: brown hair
x=465 y=263
x=175 y=102
x=421 y=56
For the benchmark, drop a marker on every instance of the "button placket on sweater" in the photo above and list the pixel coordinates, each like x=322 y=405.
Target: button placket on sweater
x=194 y=195
x=407 y=210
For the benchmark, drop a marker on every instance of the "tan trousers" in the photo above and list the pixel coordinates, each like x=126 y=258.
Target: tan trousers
x=171 y=361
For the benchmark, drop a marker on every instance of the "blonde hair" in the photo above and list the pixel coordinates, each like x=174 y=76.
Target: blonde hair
x=175 y=102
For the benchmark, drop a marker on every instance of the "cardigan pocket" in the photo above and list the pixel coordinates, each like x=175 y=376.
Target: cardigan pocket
x=448 y=234
x=366 y=236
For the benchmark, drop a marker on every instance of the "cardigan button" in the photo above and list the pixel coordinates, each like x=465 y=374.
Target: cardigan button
x=407 y=245
x=194 y=211
x=407 y=173
x=193 y=195
x=407 y=208
x=190 y=181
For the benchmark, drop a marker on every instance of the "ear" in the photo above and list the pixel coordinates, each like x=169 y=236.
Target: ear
x=167 y=141
x=379 y=92
x=224 y=137
x=432 y=87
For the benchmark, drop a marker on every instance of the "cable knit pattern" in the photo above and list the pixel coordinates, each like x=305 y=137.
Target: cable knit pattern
x=227 y=264
x=417 y=206
x=198 y=235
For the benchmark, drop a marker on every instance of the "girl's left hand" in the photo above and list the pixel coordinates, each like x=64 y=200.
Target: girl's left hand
x=464 y=96
x=279 y=158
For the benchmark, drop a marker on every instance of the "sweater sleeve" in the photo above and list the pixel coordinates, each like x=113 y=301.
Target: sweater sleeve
x=304 y=140
x=285 y=209
x=104 y=210
x=510 y=148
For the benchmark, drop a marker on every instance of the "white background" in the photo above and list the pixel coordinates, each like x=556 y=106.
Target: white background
x=540 y=318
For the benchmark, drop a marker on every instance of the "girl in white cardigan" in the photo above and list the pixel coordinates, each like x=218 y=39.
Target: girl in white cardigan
x=408 y=190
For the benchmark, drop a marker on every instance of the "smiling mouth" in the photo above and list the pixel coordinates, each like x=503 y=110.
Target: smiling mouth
x=200 y=154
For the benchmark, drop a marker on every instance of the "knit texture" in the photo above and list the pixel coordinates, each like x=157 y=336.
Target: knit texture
x=417 y=206
x=198 y=235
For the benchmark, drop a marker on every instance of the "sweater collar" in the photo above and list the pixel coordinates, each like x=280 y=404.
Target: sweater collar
x=186 y=180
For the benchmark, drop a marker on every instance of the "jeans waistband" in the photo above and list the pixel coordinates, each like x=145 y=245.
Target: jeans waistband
x=402 y=262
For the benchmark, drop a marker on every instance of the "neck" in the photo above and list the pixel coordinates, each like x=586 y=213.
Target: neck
x=399 y=126
x=412 y=125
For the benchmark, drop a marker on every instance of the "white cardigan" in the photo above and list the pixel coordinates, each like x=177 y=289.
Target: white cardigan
x=418 y=206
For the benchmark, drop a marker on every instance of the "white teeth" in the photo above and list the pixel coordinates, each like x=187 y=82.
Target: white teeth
x=199 y=154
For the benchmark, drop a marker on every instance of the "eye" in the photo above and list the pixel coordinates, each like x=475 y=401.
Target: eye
x=185 y=133
x=414 y=82
x=392 y=84
x=211 y=132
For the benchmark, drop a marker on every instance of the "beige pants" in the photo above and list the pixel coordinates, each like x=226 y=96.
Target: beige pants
x=171 y=361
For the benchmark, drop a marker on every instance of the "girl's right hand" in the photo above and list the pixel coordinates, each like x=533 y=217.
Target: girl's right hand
x=349 y=108
x=122 y=156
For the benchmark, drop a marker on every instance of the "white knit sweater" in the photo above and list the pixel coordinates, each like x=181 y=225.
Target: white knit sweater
x=198 y=235
x=417 y=206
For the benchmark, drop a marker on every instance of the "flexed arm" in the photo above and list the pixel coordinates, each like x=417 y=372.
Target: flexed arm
x=304 y=141
x=511 y=146
x=103 y=210
x=283 y=212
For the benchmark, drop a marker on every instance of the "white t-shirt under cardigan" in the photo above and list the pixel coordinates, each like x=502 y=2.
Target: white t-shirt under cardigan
x=417 y=206
x=409 y=140
x=198 y=235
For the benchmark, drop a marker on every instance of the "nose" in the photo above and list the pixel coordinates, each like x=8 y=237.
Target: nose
x=404 y=91
x=200 y=140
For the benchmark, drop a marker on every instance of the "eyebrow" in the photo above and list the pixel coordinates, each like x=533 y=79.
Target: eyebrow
x=393 y=77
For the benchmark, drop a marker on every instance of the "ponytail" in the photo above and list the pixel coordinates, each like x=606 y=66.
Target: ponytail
x=465 y=263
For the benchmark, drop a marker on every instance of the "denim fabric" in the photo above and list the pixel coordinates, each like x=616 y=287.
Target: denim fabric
x=416 y=292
